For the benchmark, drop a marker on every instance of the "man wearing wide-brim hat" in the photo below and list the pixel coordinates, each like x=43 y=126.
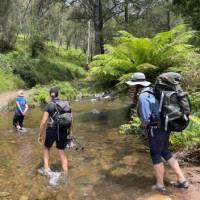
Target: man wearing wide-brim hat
x=148 y=112
x=20 y=111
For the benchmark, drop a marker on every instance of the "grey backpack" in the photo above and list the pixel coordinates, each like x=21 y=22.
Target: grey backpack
x=63 y=116
x=175 y=105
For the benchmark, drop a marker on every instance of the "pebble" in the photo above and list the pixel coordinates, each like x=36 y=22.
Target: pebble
x=155 y=197
x=4 y=194
x=23 y=198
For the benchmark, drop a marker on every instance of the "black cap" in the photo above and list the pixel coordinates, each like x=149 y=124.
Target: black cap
x=55 y=91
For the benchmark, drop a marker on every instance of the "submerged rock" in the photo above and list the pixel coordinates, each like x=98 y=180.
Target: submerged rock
x=95 y=111
x=4 y=194
x=93 y=100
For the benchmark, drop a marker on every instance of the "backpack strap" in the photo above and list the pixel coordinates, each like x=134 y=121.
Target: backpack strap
x=153 y=114
x=161 y=102
x=148 y=91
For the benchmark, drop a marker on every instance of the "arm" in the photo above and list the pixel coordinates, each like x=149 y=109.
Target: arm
x=26 y=109
x=144 y=110
x=18 y=105
x=42 y=127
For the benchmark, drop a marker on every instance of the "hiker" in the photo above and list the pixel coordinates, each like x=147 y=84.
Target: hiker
x=20 y=111
x=54 y=131
x=148 y=112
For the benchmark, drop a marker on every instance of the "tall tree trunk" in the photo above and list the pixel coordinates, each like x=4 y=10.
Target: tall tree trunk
x=98 y=27
x=88 y=42
x=126 y=18
x=168 y=15
x=168 y=20
x=5 y=29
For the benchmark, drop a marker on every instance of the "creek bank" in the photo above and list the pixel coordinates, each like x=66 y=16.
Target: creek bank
x=189 y=157
x=7 y=99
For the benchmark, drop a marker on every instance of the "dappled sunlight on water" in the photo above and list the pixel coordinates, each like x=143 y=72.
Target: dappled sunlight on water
x=111 y=166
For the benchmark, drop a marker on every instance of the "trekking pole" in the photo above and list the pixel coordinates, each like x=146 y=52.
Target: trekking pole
x=74 y=140
x=78 y=145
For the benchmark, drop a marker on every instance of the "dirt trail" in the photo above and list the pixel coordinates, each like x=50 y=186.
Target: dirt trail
x=8 y=96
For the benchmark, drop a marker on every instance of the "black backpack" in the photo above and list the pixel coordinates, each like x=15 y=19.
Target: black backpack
x=175 y=106
x=63 y=116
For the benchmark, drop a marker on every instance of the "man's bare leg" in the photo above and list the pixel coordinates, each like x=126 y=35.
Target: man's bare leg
x=46 y=158
x=63 y=160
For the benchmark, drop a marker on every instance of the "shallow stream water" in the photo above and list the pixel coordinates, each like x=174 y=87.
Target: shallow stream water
x=112 y=166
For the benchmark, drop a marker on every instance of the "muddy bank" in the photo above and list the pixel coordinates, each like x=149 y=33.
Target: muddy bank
x=190 y=157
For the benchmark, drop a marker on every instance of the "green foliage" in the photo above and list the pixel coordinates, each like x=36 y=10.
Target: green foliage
x=56 y=63
x=67 y=91
x=192 y=84
x=165 y=51
x=195 y=101
x=9 y=81
x=131 y=127
x=41 y=93
x=71 y=55
x=190 y=9
x=37 y=43
x=189 y=138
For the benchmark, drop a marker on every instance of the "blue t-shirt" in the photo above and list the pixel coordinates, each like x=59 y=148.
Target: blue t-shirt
x=22 y=103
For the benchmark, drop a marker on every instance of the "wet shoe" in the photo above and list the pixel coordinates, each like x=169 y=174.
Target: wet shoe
x=70 y=145
x=54 y=178
x=43 y=172
x=159 y=188
x=22 y=130
x=57 y=178
x=179 y=184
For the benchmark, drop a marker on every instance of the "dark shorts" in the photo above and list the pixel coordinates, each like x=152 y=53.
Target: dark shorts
x=52 y=136
x=159 y=144
x=18 y=120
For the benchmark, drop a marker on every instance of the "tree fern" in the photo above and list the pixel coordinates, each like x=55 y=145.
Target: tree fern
x=165 y=51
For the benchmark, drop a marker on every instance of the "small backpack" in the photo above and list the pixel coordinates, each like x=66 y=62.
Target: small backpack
x=63 y=116
x=175 y=105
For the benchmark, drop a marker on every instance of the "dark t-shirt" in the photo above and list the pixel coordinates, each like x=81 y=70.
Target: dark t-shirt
x=50 y=108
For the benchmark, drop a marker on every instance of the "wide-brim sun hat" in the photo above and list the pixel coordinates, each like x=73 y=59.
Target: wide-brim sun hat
x=21 y=93
x=138 y=78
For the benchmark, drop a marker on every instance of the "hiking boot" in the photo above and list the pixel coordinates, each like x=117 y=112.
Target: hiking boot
x=43 y=172
x=179 y=184
x=159 y=188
